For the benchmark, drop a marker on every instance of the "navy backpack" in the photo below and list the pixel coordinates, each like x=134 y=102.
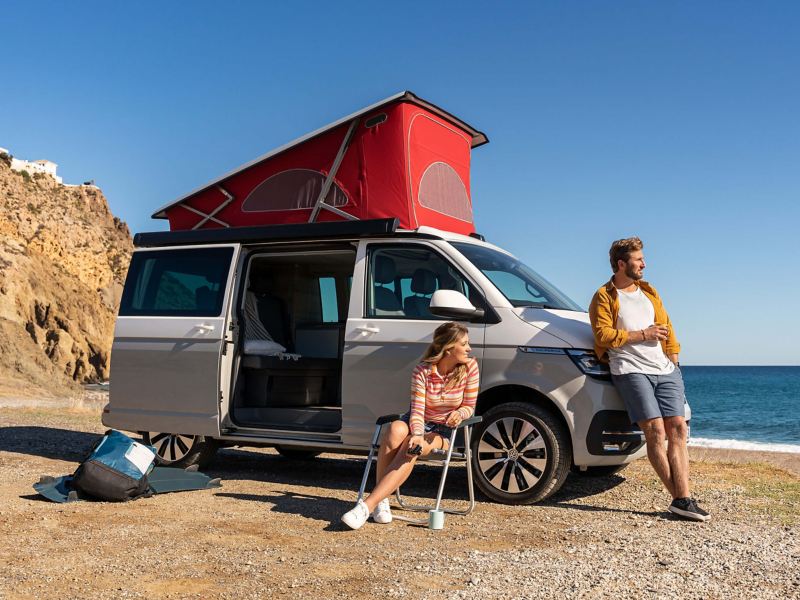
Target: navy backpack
x=116 y=469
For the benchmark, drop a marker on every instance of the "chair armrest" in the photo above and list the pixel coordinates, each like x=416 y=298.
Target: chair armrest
x=388 y=418
x=470 y=421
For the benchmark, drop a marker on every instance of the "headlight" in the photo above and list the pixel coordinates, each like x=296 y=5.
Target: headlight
x=588 y=363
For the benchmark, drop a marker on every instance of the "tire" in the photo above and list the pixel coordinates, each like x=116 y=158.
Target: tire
x=601 y=471
x=296 y=453
x=177 y=450
x=521 y=453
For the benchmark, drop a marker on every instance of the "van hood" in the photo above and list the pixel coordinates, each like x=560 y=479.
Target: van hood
x=570 y=326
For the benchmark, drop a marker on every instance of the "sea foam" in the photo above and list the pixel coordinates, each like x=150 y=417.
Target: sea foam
x=743 y=445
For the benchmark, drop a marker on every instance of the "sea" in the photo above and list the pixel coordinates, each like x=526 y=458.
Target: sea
x=747 y=408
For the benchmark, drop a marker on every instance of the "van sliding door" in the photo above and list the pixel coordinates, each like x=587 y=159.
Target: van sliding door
x=168 y=340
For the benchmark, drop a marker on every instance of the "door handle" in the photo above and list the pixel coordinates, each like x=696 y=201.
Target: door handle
x=365 y=329
x=204 y=328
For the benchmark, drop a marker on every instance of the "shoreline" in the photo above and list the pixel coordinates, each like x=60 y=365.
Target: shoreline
x=747 y=445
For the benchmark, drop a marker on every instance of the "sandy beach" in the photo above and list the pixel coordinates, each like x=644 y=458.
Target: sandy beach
x=273 y=530
x=784 y=460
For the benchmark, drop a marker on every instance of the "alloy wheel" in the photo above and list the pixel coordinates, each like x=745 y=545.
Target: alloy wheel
x=512 y=454
x=171 y=447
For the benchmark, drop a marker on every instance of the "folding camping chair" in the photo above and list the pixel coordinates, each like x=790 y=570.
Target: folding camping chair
x=441 y=457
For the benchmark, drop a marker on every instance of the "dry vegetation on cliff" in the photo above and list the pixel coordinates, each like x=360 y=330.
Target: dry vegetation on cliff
x=63 y=259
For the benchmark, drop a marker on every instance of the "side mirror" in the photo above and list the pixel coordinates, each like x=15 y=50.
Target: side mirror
x=451 y=304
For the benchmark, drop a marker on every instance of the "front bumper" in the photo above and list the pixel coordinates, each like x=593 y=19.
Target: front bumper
x=611 y=433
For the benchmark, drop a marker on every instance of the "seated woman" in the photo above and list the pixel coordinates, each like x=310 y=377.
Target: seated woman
x=444 y=388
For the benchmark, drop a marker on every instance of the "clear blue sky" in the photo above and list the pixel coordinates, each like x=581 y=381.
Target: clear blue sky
x=676 y=121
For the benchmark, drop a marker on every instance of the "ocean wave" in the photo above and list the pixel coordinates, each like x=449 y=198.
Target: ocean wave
x=744 y=445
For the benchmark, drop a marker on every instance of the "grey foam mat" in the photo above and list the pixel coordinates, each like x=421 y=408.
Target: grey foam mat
x=163 y=480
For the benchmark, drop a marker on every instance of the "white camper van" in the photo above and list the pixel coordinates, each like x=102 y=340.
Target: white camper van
x=235 y=331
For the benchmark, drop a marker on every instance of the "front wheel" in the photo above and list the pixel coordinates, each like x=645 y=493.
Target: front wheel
x=521 y=453
x=177 y=450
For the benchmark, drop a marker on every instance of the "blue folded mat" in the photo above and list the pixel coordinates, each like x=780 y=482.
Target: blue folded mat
x=162 y=480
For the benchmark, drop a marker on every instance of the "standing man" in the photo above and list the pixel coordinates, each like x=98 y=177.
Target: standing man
x=632 y=331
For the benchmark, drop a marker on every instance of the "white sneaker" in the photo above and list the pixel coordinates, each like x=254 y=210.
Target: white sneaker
x=357 y=516
x=382 y=513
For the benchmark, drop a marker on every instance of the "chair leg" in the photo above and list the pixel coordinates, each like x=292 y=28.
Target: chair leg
x=446 y=464
x=373 y=448
x=445 y=469
x=468 y=457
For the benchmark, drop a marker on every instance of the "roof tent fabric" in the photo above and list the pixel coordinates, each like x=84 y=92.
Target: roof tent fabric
x=407 y=159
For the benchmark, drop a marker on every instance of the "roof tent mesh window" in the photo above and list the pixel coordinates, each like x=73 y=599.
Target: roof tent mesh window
x=442 y=190
x=294 y=189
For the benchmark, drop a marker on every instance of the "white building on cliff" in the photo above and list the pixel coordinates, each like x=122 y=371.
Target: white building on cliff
x=47 y=167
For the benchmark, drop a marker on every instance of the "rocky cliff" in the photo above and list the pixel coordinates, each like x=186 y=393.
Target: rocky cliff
x=63 y=259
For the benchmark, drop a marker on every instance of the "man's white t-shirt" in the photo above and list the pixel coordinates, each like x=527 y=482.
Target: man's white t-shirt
x=636 y=312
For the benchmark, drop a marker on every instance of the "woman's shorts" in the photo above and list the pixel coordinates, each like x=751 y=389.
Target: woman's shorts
x=430 y=427
x=651 y=396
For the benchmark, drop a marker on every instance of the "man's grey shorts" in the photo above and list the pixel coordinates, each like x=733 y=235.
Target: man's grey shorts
x=651 y=396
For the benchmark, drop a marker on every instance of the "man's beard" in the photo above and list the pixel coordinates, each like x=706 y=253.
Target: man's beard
x=632 y=274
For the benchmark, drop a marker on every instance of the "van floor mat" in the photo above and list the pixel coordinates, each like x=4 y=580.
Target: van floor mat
x=162 y=480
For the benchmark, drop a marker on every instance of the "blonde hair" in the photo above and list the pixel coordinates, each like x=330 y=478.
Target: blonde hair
x=446 y=336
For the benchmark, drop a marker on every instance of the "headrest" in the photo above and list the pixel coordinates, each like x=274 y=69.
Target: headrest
x=448 y=282
x=385 y=270
x=260 y=281
x=423 y=282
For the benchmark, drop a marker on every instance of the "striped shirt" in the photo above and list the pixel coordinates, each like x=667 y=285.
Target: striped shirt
x=429 y=401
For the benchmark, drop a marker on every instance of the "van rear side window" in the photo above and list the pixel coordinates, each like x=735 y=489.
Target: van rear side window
x=176 y=283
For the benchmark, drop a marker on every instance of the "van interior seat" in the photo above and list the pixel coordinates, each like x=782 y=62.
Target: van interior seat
x=386 y=302
x=266 y=318
x=423 y=284
x=257 y=340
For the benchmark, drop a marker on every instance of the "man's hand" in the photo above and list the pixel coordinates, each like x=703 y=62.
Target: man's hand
x=454 y=419
x=655 y=333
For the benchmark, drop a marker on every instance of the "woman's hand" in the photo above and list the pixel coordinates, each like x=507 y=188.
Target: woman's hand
x=413 y=441
x=454 y=419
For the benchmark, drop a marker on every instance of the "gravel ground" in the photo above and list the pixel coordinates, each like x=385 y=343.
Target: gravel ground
x=272 y=531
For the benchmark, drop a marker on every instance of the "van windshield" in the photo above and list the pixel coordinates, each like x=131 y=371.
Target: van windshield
x=520 y=284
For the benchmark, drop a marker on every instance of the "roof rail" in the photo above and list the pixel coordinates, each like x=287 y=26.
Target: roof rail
x=268 y=233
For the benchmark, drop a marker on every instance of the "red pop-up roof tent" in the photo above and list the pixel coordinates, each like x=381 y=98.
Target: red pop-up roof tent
x=402 y=157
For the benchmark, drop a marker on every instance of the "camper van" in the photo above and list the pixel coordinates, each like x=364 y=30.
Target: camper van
x=291 y=299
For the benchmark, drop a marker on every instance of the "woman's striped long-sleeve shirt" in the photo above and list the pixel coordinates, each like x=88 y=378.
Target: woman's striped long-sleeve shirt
x=429 y=401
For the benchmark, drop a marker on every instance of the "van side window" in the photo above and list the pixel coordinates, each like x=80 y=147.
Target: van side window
x=327 y=295
x=176 y=283
x=403 y=279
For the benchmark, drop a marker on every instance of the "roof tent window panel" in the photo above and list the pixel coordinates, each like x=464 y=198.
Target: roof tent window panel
x=294 y=189
x=438 y=169
x=442 y=190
